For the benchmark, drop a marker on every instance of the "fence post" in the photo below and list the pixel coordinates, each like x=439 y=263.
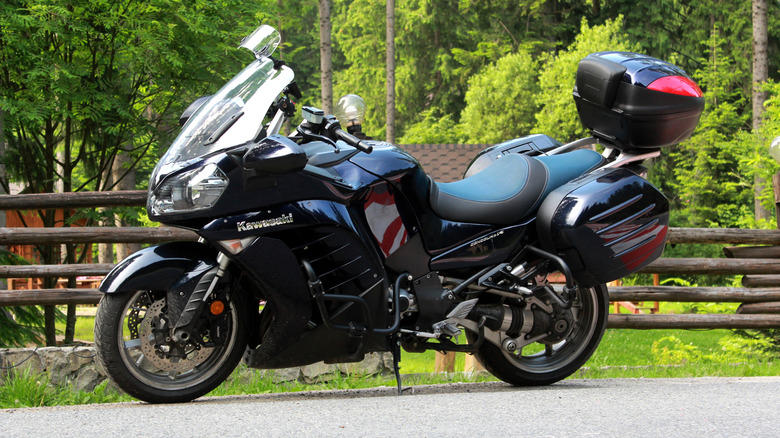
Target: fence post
x=445 y=362
x=776 y=187
x=472 y=365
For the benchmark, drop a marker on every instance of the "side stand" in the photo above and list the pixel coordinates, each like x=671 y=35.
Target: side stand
x=396 y=339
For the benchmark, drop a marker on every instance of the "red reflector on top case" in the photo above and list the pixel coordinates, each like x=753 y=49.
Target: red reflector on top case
x=676 y=85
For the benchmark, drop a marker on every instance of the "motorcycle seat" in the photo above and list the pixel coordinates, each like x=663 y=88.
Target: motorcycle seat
x=509 y=188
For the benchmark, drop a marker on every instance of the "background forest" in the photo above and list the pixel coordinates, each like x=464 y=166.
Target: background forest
x=91 y=90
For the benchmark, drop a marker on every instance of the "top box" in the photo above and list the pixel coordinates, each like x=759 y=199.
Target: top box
x=635 y=101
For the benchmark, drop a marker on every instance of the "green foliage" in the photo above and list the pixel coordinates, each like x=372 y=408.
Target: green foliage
x=300 y=46
x=499 y=101
x=26 y=390
x=741 y=347
x=19 y=325
x=433 y=128
x=670 y=350
x=360 y=37
x=754 y=160
x=83 y=80
x=711 y=190
x=557 y=115
x=440 y=45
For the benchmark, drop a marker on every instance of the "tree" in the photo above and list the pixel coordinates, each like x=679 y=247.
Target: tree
x=760 y=75
x=326 y=64
x=390 y=71
x=300 y=46
x=557 y=115
x=360 y=34
x=499 y=101
x=710 y=191
x=82 y=80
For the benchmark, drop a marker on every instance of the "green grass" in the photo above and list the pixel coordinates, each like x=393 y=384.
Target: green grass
x=29 y=391
x=752 y=369
x=84 y=328
x=634 y=347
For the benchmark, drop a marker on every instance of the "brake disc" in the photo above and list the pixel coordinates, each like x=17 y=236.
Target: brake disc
x=156 y=356
x=134 y=317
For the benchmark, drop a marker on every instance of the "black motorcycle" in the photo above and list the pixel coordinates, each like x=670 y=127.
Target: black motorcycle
x=320 y=246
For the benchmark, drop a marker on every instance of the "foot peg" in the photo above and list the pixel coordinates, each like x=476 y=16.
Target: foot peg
x=446 y=328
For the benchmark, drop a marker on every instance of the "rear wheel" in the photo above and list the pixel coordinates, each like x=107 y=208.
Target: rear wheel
x=550 y=360
x=135 y=348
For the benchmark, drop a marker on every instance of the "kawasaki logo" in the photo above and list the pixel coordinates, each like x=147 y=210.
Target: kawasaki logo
x=281 y=220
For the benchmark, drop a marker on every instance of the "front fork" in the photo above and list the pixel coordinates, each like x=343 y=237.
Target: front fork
x=182 y=331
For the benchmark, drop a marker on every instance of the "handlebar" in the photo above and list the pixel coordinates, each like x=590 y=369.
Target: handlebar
x=327 y=128
x=353 y=141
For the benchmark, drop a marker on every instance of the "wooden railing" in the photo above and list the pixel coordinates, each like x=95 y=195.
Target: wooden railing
x=760 y=294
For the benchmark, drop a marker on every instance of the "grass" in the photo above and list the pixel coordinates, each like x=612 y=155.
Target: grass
x=83 y=331
x=31 y=391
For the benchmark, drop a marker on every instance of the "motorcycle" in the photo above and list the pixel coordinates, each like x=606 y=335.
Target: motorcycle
x=321 y=246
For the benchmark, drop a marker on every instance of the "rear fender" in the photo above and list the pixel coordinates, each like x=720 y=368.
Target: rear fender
x=162 y=267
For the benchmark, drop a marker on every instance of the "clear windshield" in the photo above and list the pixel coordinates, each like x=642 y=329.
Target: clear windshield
x=233 y=116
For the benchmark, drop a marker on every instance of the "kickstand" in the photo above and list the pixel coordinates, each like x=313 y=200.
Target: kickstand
x=396 y=359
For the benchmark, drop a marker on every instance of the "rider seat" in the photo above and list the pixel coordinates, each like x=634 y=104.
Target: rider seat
x=510 y=188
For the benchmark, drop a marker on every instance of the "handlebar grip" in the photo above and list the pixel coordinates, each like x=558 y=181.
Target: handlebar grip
x=354 y=141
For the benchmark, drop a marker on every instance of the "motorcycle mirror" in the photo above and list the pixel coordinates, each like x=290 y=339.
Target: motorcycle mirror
x=275 y=154
x=194 y=106
x=262 y=42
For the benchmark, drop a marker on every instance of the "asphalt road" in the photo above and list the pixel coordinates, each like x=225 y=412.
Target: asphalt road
x=705 y=407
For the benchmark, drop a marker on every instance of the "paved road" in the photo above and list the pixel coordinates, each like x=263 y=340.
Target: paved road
x=711 y=407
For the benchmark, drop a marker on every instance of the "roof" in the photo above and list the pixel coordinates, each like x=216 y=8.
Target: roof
x=444 y=162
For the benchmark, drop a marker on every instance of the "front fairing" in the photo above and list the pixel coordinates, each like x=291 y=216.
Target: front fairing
x=233 y=117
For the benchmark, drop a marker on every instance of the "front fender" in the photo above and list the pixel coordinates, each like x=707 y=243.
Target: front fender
x=160 y=267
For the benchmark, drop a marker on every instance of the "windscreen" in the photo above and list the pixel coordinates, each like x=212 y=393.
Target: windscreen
x=233 y=116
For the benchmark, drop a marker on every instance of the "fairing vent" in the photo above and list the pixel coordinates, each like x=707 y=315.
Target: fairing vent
x=343 y=265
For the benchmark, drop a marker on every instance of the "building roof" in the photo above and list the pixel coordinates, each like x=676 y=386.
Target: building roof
x=444 y=162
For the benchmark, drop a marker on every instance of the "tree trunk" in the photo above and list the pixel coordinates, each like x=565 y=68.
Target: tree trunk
x=105 y=250
x=390 y=49
x=326 y=62
x=760 y=76
x=124 y=177
x=3 y=179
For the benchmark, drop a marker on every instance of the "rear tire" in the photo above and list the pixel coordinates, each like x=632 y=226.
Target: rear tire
x=135 y=361
x=545 y=364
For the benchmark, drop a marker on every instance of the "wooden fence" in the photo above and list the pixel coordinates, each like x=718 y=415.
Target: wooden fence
x=760 y=293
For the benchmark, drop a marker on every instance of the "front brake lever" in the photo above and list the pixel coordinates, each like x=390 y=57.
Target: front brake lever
x=309 y=135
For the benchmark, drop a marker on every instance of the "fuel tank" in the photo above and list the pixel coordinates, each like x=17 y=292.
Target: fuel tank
x=410 y=234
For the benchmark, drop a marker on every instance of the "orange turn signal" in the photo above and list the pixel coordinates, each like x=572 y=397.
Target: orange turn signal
x=217 y=307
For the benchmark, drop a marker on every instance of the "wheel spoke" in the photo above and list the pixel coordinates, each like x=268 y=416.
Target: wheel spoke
x=172 y=375
x=133 y=343
x=548 y=350
x=140 y=360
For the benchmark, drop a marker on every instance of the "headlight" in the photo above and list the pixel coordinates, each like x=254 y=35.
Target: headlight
x=190 y=191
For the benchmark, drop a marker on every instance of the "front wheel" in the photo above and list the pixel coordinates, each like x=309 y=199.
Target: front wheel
x=138 y=355
x=546 y=362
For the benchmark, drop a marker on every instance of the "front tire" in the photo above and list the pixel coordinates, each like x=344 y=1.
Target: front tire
x=546 y=363
x=136 y=360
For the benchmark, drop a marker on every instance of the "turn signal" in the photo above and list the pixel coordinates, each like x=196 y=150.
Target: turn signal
x=217 y=307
